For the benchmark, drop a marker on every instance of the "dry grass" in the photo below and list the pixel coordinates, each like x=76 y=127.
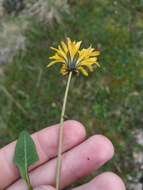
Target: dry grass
x=13 y=25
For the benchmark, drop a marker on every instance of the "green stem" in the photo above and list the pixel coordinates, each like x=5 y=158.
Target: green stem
x=60 y=143
x=28 y=183
x=30 y=188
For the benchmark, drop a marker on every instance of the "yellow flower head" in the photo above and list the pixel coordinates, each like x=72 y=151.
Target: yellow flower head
x=74 y=59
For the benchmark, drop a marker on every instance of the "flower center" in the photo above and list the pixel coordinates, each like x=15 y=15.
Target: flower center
x=72 y=62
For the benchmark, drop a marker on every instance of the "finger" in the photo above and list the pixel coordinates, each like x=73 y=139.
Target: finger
x=46 y=145
x=44 y=187
x=107 y=180
x=78 y=162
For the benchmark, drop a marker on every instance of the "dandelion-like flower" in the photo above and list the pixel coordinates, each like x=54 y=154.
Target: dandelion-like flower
x=74 y=59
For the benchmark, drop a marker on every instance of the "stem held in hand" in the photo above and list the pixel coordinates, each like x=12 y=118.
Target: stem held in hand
x=60 y=143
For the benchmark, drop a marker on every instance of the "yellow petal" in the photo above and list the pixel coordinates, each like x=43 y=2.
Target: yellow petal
x=88 y=61
x=86 y=54
x=78 y=45
x=73 y=47
x=70 y=48
x=64 y=46
x=59 y=51
x=64 y=70
x=62 y=53
x=57 y=57
x=54 y=49
x=53 y=62
x=95 y=53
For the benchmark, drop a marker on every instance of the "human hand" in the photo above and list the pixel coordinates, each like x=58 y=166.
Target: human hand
x=80 y=158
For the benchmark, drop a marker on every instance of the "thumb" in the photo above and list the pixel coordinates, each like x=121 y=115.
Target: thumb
x=44 y=187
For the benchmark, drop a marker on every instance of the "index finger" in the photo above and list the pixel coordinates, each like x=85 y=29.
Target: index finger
x=46 y=145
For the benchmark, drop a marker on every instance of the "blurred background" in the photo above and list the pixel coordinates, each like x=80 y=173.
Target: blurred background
x=110 y=99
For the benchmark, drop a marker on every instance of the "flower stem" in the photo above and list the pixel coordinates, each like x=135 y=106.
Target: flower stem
x=60 y=142
x=28 y=183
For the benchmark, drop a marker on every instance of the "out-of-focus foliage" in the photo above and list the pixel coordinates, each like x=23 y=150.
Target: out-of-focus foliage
x=110 y=99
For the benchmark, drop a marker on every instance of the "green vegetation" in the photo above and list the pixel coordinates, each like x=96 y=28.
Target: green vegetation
x=111 y=98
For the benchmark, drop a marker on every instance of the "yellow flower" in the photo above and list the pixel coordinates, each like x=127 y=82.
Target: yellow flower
x=72 y=59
